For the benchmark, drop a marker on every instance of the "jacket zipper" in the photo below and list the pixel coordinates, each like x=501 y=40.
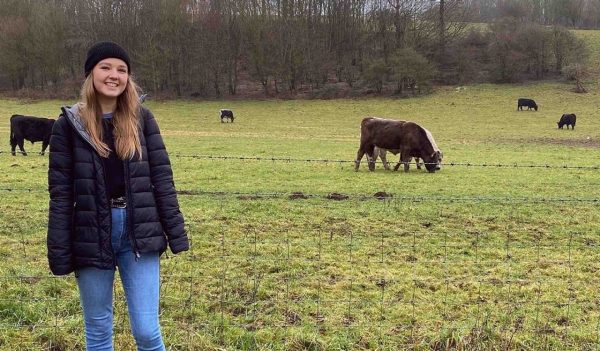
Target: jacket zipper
x=129 y=210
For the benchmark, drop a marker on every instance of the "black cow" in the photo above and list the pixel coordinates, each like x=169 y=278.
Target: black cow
x=567 y=119
x=529 y=103
x=29 y=128
x=405 y=137
x=226 y=114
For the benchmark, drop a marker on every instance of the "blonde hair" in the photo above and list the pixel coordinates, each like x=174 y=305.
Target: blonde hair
x=126 y=119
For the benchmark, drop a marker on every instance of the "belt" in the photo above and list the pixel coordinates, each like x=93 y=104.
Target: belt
x=118 y=202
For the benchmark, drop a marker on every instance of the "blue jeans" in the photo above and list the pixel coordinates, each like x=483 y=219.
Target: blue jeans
x=140 y=279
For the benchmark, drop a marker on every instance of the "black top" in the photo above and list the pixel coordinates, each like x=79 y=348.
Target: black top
x=113 y=165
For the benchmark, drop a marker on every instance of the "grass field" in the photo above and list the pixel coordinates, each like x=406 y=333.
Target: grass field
x=471 y=257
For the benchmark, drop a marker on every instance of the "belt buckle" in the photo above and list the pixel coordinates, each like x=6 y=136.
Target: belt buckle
x=119 y=202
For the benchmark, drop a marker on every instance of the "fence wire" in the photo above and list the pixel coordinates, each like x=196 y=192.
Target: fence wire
x=340 y=161
x=279 y=159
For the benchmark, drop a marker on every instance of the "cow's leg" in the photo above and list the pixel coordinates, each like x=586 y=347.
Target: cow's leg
x=362 y=150
x=418 y=162
x=382 y=155
x=368 y=149
x=44 y=146
x=397 y=166
x=371 y=162
x=20 y=143
x=405 y=160
x=376 y=154
x=359 y=156
x=370 y=153
x=13 y=145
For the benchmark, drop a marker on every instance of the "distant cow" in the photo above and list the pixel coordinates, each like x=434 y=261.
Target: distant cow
x=381 y=153
x=568 y=120
x=226 y=114
x=529 y=103
x=404 y=137
x=29 y=128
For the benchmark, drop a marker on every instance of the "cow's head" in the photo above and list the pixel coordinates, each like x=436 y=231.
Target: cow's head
x=439 y=164
x=433 y=162
x=535 y=106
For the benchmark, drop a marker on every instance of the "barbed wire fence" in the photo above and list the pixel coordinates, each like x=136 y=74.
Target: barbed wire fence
x=279 y=159
x=387 y=288
x=345 y=161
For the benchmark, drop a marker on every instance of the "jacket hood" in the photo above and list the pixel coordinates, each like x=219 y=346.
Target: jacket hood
x=71 y=113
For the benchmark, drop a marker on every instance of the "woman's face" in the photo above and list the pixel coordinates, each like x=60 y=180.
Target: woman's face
x=110 y=77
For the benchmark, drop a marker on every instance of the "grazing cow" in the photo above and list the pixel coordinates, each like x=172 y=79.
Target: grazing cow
x=407 y=138
x=381 y=153
x=29 y=128
x=567 y=119
x=226 y=114
x=529 y=103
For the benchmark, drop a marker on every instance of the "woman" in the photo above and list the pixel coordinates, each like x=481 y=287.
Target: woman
x=113 y=203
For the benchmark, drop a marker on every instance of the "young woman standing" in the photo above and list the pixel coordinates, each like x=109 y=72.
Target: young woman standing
x=113 y=203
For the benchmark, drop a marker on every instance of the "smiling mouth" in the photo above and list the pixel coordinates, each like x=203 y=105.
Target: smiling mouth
x=112 y=85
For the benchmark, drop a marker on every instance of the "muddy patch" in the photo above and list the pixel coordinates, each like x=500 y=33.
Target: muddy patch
x=382 y=195
x=337 y=196
x=297 y=195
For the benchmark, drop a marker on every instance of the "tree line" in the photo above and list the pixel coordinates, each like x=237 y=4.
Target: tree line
x=210 y=48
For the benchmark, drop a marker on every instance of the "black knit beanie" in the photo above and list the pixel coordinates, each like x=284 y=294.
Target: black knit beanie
x=102 y=50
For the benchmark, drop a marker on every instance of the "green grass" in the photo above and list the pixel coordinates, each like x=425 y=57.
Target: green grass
x=496 y=263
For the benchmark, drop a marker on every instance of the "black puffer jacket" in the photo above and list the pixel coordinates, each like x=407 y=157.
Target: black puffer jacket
x=79 y=223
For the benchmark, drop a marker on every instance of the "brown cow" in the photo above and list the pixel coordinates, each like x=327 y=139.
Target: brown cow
x=405 y=137
x=381 y=153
